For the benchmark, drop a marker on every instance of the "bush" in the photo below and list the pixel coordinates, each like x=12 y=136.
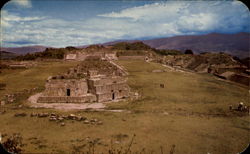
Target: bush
x=246 y=61
x=71 y=48
x=188 y=51
x=13 y=144
x=48 y=53
x=2 y=86
x=203 y=53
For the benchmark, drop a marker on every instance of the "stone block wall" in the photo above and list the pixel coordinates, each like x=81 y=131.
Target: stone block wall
x=70 y=57
x=67 y=99
x=111 y=56
x=66 y=87
x=110 y=88
x=115 y=95
x=107 y=81
x=104 y=97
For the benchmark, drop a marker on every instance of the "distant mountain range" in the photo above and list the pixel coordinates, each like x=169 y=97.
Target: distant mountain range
x=24 y=50
x=235 y=44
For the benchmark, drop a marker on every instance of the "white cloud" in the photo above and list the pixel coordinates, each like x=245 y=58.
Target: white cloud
x=153 y=20
x=18 y=19
x=22 y=3
x=9 y=19
x=149 y=11
x=184 y=17
x=196 y=22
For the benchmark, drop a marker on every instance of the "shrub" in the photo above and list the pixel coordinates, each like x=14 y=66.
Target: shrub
x=188 y=51
x=13 y=144
x=2 y=86
x=47 y=53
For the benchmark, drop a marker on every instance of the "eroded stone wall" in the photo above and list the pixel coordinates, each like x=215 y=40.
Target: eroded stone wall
x=108 y=89
x=65 y=99
x=66 y=87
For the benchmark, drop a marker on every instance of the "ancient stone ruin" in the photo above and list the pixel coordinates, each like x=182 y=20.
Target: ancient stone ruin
x=81 y=55
x=91 y=81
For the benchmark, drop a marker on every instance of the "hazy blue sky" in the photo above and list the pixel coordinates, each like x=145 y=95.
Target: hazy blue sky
x=61 y=23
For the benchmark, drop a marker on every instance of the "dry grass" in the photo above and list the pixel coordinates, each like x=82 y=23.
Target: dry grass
x=20 y=79
x=191 y=112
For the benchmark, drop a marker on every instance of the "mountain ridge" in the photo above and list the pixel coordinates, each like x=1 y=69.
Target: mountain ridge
x=237 y=44
x=24 y=49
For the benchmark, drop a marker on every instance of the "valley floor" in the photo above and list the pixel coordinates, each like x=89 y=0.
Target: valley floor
x=189 y=115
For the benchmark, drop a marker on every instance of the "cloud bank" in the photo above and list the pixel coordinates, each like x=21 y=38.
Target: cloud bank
x=162 y=19
x=22 y=3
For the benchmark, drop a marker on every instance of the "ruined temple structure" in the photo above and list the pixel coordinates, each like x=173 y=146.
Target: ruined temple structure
x=91 y=81
x=81 y=56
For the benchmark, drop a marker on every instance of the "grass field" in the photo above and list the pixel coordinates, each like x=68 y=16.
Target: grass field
x=190 y=112
x=20 y=79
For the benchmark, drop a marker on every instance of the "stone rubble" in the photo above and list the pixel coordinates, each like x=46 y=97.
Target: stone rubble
x=12 y=98
x=62 y=118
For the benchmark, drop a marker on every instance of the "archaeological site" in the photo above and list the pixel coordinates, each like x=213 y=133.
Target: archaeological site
x=94 y=80
x=124 y=77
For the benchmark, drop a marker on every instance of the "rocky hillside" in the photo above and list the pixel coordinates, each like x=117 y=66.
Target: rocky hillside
x=219 y=64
